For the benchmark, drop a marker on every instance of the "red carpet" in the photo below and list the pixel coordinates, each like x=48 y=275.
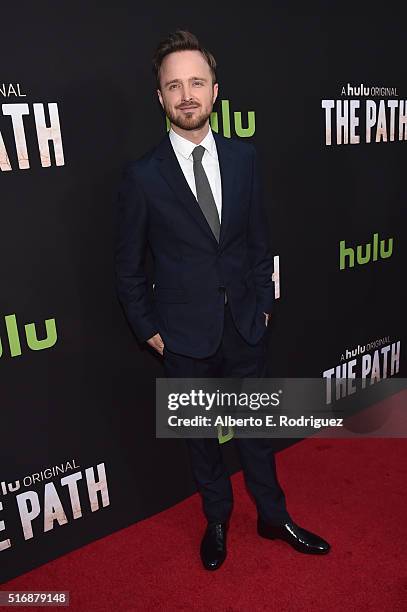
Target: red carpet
x=352 y=492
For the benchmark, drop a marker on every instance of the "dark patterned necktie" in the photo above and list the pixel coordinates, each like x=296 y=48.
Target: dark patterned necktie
x=204 y=193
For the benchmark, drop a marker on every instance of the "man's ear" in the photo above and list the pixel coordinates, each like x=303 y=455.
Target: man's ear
x=215 y=92
x=160 y=97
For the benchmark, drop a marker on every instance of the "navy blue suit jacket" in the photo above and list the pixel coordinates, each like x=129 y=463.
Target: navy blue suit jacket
x=185 y=300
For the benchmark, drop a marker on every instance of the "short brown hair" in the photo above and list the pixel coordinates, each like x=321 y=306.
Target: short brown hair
x=181 y=40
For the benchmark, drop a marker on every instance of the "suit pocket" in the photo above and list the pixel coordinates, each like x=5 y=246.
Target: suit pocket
x=170 y=295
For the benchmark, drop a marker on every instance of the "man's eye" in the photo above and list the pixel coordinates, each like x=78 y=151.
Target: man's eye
x=197 y=82
x=173 y=85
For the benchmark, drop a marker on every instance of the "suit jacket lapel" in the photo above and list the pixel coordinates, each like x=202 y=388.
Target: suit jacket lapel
x=172 y=172
x=228 y=178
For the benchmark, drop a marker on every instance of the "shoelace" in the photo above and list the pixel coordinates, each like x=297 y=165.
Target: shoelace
x=219 y=535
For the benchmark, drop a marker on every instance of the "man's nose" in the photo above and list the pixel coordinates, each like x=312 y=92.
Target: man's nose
x=186 y=92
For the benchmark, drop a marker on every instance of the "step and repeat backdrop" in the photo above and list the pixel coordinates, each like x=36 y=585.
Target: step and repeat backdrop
x=324 y=100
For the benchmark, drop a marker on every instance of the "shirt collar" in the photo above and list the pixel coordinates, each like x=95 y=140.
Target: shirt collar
x=184 y=147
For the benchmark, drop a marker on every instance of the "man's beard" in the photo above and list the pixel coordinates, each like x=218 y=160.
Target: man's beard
x=186 y=121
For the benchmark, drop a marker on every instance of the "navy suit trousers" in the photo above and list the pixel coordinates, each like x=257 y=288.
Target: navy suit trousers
x=234 y=358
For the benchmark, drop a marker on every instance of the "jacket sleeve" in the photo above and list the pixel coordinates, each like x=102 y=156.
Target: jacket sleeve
x=258 y=241
x=131 y=245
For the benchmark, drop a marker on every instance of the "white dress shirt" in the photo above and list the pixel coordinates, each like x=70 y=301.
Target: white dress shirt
x=183 y=150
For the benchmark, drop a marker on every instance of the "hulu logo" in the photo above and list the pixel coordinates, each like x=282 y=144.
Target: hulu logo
x=364 y=252
x=13 y=336
x=242 y=132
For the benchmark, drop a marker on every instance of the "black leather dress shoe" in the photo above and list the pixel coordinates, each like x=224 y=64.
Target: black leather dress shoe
x=213 y=546
x=299 y=538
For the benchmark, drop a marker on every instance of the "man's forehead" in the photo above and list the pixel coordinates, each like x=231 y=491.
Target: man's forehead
x=185 y=62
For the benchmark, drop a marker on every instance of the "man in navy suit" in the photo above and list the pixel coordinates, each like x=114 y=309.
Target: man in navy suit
x=196 y=199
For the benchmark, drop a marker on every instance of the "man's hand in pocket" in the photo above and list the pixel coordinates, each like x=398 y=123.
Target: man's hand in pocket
x=156 y=342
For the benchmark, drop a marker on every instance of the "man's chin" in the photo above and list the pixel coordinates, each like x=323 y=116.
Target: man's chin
x=194 y=123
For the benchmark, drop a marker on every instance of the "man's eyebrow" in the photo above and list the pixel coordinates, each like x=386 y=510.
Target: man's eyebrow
x=191 y=79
